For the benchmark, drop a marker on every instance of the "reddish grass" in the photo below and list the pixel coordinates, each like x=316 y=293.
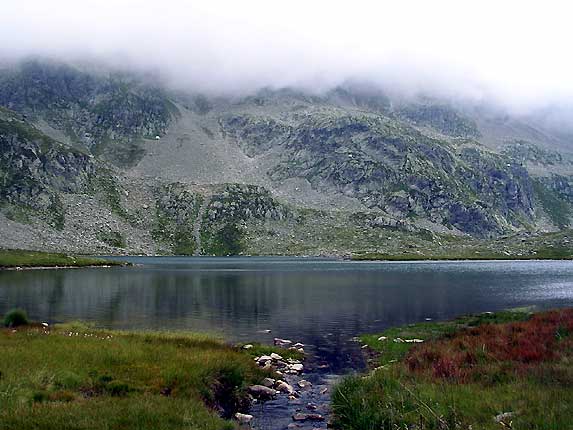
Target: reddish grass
x=492 y=351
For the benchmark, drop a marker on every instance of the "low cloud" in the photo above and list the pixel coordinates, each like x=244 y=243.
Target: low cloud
x=513 y=52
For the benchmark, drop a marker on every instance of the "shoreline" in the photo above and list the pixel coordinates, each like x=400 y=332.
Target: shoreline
x=437 y=259
x=90 y=266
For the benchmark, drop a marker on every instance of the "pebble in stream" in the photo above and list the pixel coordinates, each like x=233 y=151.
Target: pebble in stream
x=301 y=400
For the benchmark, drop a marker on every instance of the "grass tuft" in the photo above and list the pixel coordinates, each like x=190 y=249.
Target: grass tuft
x=16 y=318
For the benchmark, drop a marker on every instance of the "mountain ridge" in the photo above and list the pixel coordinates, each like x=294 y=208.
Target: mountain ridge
x=421 y=167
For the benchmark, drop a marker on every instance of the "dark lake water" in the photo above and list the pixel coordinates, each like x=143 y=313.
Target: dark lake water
x=320 y=302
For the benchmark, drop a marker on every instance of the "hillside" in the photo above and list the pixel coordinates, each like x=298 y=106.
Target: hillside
x=109 y=162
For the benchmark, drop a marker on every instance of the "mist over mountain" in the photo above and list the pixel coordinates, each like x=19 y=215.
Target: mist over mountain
x=512 y=54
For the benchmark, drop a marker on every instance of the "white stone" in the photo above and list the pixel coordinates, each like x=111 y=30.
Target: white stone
x=243 y=418
x=284 y=387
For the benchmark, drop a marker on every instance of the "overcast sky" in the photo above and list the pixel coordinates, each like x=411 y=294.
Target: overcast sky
x=515 y=51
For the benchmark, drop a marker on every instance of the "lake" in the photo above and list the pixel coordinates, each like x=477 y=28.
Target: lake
x=322 y=303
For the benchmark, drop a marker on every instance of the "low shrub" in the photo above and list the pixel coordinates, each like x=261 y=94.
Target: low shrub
x=15 y=318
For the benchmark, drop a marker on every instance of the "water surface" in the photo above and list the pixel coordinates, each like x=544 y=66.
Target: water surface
x=320 y=302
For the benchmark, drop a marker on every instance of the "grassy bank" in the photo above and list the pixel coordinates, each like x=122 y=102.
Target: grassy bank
x=77 y=377
x=523 y=246
x=509 y=370
x=10 y=258
x=451 y=257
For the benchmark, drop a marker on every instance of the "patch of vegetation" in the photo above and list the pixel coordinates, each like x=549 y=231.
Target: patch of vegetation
x=17 y=213
x=112 y=238
x=76 y=377
x=123 y=154
x=16 y=318
x=176 y=212
x=105 y=186
x=20 y=258
x=228 y=240
x=507 y=370
x=557 y=209
x=56 y=213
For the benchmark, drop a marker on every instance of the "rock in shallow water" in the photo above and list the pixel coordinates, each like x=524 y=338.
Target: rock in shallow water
x=243 y=418
x=307 y=417
x=284 y=387
x=261 y=392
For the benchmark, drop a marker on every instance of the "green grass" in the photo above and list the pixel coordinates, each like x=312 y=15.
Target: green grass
x=409 y=390
x=78 y=377
x=19 y=258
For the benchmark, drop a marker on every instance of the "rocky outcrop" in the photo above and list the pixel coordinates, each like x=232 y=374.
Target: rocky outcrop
x=230 y=208
x=441 y=117
x=34 y=168
x=105 y=113
x=392 y=167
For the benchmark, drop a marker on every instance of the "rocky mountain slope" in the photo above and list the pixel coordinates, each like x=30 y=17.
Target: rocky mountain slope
x=96 y=161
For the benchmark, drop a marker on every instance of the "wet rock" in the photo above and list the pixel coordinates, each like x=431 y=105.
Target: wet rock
x=261 y=392
x=284 y=387
x=307 y=417
x=282 y=342
x=243 y=418
x=297 y=367
x=304 y=383
x=268 y=382
x=276 y=356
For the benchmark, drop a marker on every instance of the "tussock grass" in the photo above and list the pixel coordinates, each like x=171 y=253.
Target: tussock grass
x=16 y=318
x=74 y=376
x=466 y=373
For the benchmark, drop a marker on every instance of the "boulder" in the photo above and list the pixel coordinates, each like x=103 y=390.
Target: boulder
x=282 y=342
x=261 y=392
x=296 y=367
x=284 y=387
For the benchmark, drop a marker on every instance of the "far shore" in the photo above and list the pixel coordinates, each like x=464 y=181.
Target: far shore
x=14 y=259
